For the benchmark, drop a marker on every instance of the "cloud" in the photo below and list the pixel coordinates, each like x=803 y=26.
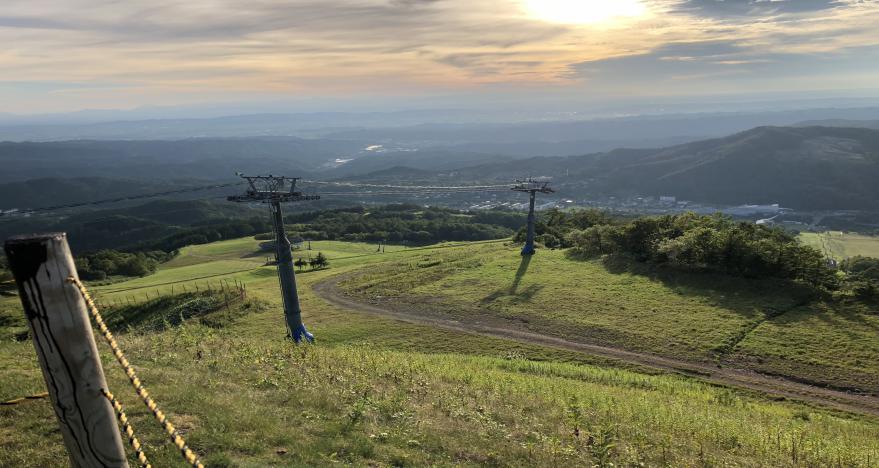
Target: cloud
x=199 y=49
x=737 y=8
x=721 y=66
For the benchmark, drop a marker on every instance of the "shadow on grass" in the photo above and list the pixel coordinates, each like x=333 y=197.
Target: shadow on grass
x=766 y=297
x=212 y=308
x=513 y=290
x=259 y=254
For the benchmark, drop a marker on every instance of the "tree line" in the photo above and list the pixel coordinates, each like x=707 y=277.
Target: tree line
x=705 y=243
x=105 y=263
x=402 y=223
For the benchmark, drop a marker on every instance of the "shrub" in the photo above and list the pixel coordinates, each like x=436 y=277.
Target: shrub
x=99 y=265
x=862 y=277
x=595 y=240
x=716 y=243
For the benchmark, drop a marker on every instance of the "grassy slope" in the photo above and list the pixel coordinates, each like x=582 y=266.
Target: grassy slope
x=759 y=324
x=840 y=245
x=375 y=390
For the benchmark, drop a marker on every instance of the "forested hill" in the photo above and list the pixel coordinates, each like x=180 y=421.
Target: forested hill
x=170 y=224
x=202 y=158
x=808 y=168
x=51 y=191
x=799 y=167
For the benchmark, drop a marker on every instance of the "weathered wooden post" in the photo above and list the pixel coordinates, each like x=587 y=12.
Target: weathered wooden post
x=64 y=340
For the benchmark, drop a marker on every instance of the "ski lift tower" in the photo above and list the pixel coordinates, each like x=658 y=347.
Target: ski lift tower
x=270 y=189
x=532 y=187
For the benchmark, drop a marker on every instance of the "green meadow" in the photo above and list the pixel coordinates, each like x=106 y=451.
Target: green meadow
x=768 y=326
x=378 y=392
x=841 y=245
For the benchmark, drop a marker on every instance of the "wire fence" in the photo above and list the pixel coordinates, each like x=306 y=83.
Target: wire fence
x=152 y=292
x=136 y=383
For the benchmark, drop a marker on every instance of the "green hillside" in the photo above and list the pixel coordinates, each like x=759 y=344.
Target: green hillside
x=381 y=392
x=841 y=245
x=803 y=168
x=807 y=168
x=763 y=325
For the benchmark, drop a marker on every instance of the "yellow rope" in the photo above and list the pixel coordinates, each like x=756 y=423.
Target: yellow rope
x=188 y=454
x=16 y=401
x=129 y=431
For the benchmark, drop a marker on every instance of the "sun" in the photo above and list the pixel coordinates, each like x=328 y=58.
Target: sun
x=583 y=11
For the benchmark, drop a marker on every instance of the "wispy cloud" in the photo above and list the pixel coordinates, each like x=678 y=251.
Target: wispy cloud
x=738 y=8
x=172 y=50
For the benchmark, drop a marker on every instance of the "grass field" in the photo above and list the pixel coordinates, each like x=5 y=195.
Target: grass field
x=764 y=325
x=378 y=392
x=840 y=245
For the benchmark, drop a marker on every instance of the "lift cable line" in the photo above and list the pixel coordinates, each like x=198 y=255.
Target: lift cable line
x=391 y=190
x=531 y=187
x=118 y=199
x=355 y=184
x=270 y=189
x=413 y=192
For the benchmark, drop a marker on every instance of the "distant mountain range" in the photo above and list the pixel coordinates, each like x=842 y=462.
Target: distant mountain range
x=481 y=131
x=195 y=158
x=840 y=123
x=805 y=167
x=808 y=168
x=813 y=168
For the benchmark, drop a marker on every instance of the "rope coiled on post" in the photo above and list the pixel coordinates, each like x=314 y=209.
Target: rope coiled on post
x=176 y=438
x=129 y=431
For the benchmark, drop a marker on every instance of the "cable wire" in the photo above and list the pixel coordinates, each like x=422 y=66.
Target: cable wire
x=389 y=190
x=121 y=199
x=354 y=184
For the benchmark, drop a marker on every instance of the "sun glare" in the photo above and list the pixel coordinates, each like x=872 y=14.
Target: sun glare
x=583 y=11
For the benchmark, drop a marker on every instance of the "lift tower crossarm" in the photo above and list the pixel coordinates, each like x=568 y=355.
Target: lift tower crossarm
x=268 y=189
x=531 y=187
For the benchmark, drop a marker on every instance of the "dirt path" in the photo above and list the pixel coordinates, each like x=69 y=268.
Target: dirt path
x=329 y=290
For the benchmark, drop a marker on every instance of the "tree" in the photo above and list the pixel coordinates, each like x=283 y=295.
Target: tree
x=319 y=262
x=862 y=277
x=300 y=263
x=596 y=240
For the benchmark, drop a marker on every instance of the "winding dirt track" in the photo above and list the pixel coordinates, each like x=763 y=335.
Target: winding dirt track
x=330 y=291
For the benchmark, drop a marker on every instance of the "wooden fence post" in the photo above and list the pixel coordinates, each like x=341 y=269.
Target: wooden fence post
x=63 y=337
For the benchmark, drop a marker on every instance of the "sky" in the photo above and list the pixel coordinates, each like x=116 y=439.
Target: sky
x=62 y=56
